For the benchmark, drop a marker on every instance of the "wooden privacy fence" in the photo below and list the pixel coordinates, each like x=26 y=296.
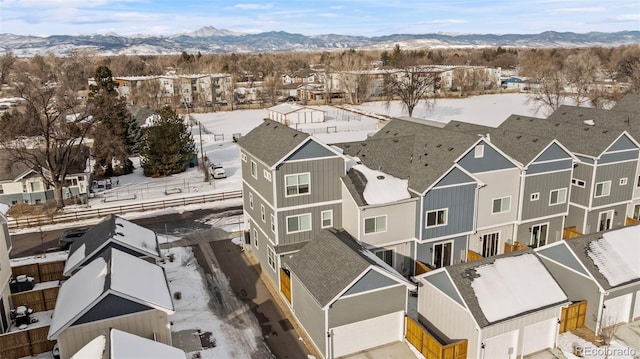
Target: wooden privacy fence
x=421 y=268
x=473 y=256
x=25 y=343
x=285 y=284
x=430 y=347
x=573 y=316
x=570 y=232
x=41 y=272
x=516 y=246
x=38 y=300
x=631 y=221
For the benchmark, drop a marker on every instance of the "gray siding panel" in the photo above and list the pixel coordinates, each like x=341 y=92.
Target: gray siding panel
x=553 y=152
x=460 y=202
x=309 y=150
x=308 y=313
x=441 y=281
x=324 y=181
x=618 y=219
x=584 y=159
x=490 y=161
x=455 y=176
x=581 y=195
x=614 y=173
x=623 y=143
x=550 y=166
x=561 y=254
x=618 y=157
x=367 y=306
x=371 y=280
x=554 y=231
x=260 y=253
x=575 y=218
x=260 y=184
x=544 y=184
x=281 y=219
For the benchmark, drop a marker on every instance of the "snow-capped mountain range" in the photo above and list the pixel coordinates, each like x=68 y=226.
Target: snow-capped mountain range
x=211 y=40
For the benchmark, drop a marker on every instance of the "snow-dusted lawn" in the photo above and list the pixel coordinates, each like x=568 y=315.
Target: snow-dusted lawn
x=617 y=350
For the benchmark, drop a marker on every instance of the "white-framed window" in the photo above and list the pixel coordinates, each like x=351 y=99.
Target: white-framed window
x=578 y=182
x=386 y=255
x=478 y=152
x=442 y=254
x=250 y=200
x=638 y=183
x=255 y=238
x=557 y=196
x=436 y=218
x=271 y=258
x=243 y=157
x=326 y=218
x=624 y=181
x=263 y=214
x=297 y=184
x=539 y=235
x=375 y=224
x=1 y=189
x=490 y=244
x=266 y=175
x=273 y=223
x=254 y=169
x=501 y=205
x=535 y=196
x=603 y=189
x=299 y=223
x=605 y=220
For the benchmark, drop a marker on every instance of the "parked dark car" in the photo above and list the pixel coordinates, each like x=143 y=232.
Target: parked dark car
x=70 y=236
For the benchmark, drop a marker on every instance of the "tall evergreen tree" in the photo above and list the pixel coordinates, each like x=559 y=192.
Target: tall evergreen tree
x=116 y=134
x=167 y=145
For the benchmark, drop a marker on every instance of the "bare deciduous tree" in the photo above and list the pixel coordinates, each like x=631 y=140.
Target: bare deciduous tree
x=581 y=71
x=411 y=85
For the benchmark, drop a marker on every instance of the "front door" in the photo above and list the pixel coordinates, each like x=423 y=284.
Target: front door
x=605 y=220
x=490 y=244
x=442 y=253
x=636 y=212
x=539 y=235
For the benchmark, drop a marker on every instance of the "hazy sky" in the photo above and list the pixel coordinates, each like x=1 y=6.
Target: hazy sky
x=350 y=17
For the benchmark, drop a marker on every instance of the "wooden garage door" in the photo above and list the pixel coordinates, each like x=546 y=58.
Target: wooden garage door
x=539 y=336
x=503 y=346
x=617 y=310
x=367 y=334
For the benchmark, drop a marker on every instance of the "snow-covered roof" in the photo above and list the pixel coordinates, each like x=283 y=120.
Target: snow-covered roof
x=112 y=229
x=514 y=285
x=93 y=350
x=114 y=272
x=381 y=187
x=616 y=255
x=123 y=345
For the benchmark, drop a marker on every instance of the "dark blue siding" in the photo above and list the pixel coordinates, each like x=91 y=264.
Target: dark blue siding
x=310 y=149
x=371 y=280
x=562 y=255
x=553 y=152
x=623 y=143
x=460 y=202
x=618 y=157
x=455 y=176
x=441 y=281
x=549 y=166
x=490 y=161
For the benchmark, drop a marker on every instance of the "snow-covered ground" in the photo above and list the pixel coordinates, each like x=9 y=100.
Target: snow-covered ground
x=567 y=342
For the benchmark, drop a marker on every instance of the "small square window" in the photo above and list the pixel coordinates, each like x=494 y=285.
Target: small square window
x=578 y=182
x=478 y=151
x=243 y=157
x=266 y=175
x=327 y=218
x=624 y=181
x=535 y=196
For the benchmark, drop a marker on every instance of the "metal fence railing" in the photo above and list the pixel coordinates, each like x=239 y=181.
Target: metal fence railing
x=41 y=220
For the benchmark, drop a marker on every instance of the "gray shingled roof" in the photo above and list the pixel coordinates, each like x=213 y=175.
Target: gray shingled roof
x=470 y=128
x=629 y=103
x=580 y=246
x=411 y=150
x=271 y=141
x=10 y=169
x=330 y=262
x=463 y=275
x=619 y=120
x=578 y=138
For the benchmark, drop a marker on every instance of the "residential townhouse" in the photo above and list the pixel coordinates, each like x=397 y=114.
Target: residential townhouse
x=606 y=163
x=291 y=190
x=20 y=183
x=5 y=274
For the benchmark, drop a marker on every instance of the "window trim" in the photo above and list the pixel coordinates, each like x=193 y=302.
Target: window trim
x=446 y=218
x=273 y=223
x=385 y=250
x=612 y=214
x=250 y=200
x=576 y=182
x=623 y=181
x=271 y=258
x=263 y=213
x=558 y=190
x=501 y=199
x=286 y=192
x=534 y=196
x=298 y=216
x=243 y=157
x=330 y=211
x=595 y=189
x=254 y=169
x=255 y=238
x=266 y=174
x=478 y=151
x=375 y=224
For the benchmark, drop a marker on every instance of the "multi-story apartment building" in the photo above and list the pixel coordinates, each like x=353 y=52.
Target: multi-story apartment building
x=291 y=190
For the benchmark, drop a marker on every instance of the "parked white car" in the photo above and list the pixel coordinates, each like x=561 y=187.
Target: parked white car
x=217 y=171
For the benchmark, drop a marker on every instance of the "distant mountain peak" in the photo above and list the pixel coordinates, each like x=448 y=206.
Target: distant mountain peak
x=209 y=31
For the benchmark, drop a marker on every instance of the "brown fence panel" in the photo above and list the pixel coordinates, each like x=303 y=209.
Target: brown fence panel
x=570 y=232
x=51 y=271
x=573 y=316
x=39 y=341
x=473 y=256
x=285 y=284
x=421 y=268
x=414 y=334
x=30 y=270
x=429 y=346
x=50 y=295
x=31 y=299
x=15 y=345
x=631 y=221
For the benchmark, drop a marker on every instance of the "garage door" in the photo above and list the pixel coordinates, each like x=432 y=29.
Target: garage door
x=367 y=334
x=617 y=310
x=539 y=336
x=503 y=346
